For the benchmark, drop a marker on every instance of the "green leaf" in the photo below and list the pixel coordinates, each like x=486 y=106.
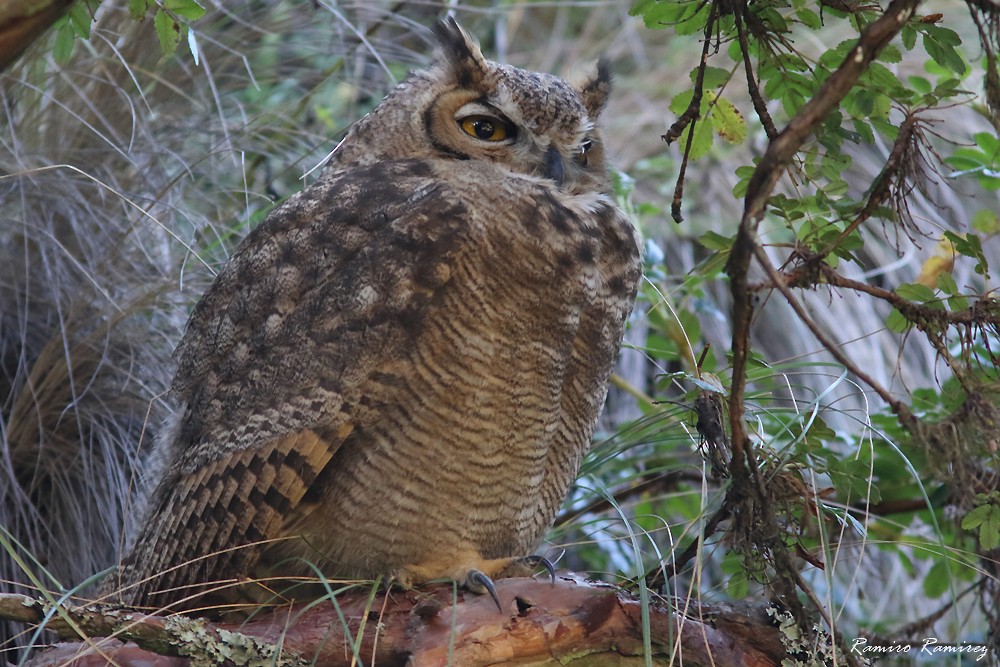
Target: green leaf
x=188 y=9
x=837 y=188
x=991 y=527
x=990 y=144
x=745 y=173
x=987 y=519
x=680 y=102
x=897 y=322
x=713 y=264
x=851 y=477
x=890 y=130
x=890 y=54
x=940 y=44
x=986 y=222
x=702 y=140
x=920 y=84
x=792 y=103
x=970 y=245
x=882 y=78
x=168 y=31
x=956 y=303
x=833 y=58
x=729 y=122
x=866 y=132
x=809 y=18
x=714 y=76
x=946 y=283
x=916 y=292
x=137 y=9
x=936 y=581
x=989 y=180
x=965 y=160
x=953 y=396
x=737 y=584
x=711 y=383
x=976 y=517
x=716 y=241
x=80 y=19
x=989 y=535
x=65 y=41
x=775 y=21
x=679 y=15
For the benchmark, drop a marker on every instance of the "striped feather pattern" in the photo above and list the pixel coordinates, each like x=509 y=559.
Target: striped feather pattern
x=400 y=370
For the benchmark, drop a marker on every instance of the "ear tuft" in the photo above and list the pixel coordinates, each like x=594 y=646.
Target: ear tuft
x=460 y=53
x=594 y=88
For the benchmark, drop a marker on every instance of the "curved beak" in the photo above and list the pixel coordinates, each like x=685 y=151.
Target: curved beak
x=553 y=167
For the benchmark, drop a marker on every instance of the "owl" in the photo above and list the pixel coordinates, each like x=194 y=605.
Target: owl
x=400 y=369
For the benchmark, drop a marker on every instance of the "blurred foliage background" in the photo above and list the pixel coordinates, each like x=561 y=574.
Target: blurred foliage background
x=141 y=141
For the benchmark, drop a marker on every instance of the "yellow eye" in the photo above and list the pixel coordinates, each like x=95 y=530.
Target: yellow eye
x=485 y=128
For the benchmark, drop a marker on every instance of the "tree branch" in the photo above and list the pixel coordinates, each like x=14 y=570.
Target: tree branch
x=770 y=168
x=571 y=622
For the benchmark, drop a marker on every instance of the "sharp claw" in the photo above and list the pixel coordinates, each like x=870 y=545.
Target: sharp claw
x=536 y=561
x=477 y=582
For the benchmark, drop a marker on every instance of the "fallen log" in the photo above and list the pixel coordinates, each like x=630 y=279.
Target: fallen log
x=570 y=622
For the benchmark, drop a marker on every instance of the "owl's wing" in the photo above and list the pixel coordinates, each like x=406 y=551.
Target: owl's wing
x=331 y=284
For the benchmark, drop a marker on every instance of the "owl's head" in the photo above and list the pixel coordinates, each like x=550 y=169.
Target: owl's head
x=466 y=107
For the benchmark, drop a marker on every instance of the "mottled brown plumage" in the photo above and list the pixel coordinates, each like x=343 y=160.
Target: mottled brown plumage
x=399 y=371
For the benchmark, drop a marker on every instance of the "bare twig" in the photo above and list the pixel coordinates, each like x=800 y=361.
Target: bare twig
x=759 y=106
x=693 y=110
x=690 y=117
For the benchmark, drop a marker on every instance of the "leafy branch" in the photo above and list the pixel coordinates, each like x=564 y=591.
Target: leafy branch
x=769 y=169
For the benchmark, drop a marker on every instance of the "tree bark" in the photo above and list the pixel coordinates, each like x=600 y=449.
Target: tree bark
x=571 y=622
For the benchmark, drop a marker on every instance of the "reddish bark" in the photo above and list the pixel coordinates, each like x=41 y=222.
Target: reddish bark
x=573 y=622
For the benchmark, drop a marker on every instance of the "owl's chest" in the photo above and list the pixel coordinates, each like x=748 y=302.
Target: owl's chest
x=472 y=425
x=455 y=436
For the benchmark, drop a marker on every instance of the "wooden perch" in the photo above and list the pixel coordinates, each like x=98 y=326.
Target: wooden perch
x=572 y=622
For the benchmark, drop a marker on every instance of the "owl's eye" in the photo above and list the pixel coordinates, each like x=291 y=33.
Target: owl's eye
x=584 y=149
x=486 y=128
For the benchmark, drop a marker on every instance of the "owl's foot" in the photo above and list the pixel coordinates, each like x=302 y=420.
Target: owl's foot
x=535 y=562
x=475 y=573
x=479 y=583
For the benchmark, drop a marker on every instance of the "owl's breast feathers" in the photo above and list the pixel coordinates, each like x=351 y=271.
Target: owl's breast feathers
x=381 y=310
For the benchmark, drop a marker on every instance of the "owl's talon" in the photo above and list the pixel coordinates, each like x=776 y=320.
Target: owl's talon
x=536 y=561
x=477 y=582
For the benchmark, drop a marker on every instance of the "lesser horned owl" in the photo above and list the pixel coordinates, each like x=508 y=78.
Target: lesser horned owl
x=399 y=371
